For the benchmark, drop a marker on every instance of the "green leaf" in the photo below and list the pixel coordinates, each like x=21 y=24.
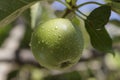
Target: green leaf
x=100 y=16
x=116 y=0
x=10 y=10
x=71 y=2
x=115 y=22
x=95 y=26
x=115 y=5
x=47 y=13
x=28 y=29
x=68 y=1
x=74 y=75
x=4 y=33
x=13 y=74
x=77 y=25
x=41 y=12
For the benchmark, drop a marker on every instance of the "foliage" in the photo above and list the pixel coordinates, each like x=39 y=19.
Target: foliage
x=94 y=26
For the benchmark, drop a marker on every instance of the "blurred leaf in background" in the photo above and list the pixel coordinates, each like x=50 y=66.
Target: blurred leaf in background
x=41 y=12
x=28 y=29
x=4 y=32
x=65 y=76
x=12 y=75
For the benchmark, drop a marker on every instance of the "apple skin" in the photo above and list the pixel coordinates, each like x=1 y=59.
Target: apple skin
x=57 y=44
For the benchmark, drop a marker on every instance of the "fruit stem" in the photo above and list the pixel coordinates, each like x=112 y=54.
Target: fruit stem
x=65 y=4
x=66 y=13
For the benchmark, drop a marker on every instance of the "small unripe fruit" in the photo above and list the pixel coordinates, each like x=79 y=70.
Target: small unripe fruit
x=57 y=44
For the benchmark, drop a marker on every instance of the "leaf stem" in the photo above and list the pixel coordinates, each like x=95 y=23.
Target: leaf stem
x=91 y=2
x=80 y=17
x=81 y=13
x=70 y=8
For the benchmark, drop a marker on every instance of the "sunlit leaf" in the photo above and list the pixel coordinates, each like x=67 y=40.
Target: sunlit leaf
x=10 y=10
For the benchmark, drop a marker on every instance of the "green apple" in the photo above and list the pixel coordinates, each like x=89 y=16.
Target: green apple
x=57 y=44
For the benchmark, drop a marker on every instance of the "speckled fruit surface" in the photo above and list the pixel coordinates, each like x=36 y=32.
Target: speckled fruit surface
x=57 y=44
